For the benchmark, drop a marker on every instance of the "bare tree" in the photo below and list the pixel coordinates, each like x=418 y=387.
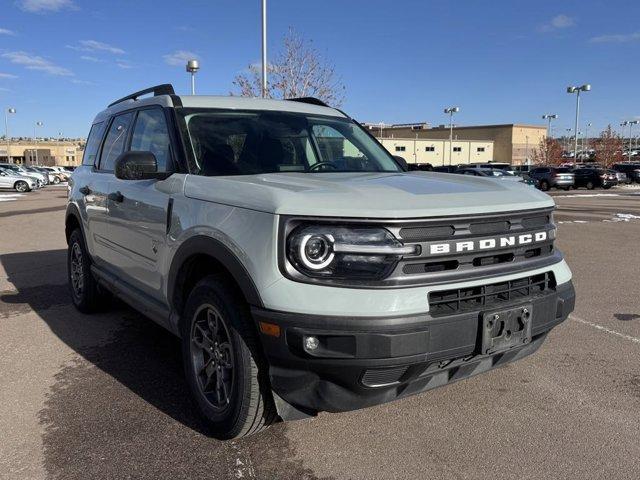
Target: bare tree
x=608 y=147
x=548 y=152
x=298 y=71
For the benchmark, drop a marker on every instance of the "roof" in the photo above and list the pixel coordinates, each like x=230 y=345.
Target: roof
x=223 y=102
x=502 y=125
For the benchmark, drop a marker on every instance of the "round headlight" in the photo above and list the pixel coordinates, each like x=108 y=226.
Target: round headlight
x=316 y=251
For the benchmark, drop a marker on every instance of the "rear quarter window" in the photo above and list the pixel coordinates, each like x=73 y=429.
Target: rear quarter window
x=93 y=144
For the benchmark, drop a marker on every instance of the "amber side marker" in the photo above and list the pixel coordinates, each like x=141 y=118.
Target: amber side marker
x=270 y=329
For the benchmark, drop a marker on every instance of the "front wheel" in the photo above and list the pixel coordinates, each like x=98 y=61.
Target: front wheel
x=56 y=180
x=224 y=367
x=590 y=185
x=544 y=185
x=21 y=186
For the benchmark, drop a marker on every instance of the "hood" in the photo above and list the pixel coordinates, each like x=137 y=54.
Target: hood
x=372 y=195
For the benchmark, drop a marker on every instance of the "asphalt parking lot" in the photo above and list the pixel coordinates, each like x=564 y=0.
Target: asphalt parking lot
x=103 y=396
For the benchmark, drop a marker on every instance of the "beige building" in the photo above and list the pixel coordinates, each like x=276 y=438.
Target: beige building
x=436 y=152
x=512 y=143
x=64 y=153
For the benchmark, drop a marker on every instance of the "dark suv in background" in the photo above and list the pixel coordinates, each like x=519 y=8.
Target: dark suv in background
x=552 y=177
x=591 y=178
x=631 y=169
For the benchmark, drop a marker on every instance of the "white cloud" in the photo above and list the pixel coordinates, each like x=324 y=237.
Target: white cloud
x=179 y=57
x=7 y=75
x=617 y=38
x=42 y=6
x=558 y=22
x=124 y=65
x=6 y=31
x=88 y=58
x=2 y=89
x=95 y=46
x=82 y=82
x=35 y=62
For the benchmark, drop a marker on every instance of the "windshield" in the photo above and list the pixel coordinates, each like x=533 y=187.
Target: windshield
x=256 y=142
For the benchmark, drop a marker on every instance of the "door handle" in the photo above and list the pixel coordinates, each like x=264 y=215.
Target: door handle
x=116 y=197
x=84 y=190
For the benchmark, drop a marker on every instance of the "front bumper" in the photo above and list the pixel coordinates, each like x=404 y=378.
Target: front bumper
x=365 y=361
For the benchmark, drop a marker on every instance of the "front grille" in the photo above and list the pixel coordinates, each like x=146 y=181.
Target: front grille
x=459 y=300
x=453 y=265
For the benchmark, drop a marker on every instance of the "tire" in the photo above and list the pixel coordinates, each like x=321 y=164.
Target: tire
x=21 y=186
x=224 y=366
x=590 y=185
x=87 y=297
x=566 y=189
x=544 y=186
x=56 y=180
x=607 y=187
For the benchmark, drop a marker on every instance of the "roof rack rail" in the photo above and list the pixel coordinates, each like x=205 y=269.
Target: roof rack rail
x=164 y=89
x=310 y=100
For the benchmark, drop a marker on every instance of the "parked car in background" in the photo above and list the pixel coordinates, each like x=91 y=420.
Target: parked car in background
x=54 y=178
x=631 y=169
x=445 y=168
x=22 y=171
x=620 y=176
x=552 y=177
x=591 y=178
x=521 y=169
x=494 y=165
x=64 y=175
x=496 y=173
x=13 y=181
x=420 y=167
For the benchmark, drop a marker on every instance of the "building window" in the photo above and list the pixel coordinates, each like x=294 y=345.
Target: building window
x=401 y=149
x=430 y=149
x=457 y=149
x=481 y=149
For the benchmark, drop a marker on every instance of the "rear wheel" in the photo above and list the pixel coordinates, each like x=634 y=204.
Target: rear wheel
x=85 y=292
x=56 y=180
x=544 y=185
x=21 y=186
x=590 y=185
x=225 y=369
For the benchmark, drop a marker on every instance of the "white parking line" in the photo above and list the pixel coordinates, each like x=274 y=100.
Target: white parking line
x=605 y=329
x=9 y=197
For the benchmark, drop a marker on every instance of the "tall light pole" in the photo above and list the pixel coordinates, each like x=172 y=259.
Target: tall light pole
x=585 y=142
x=7 y=111
x=192 y=67
x=451 y=111
x=264 y=48
x=624 y=124
x=566 y=148
x=548 y=117
x=583 y=88
x=35 y=138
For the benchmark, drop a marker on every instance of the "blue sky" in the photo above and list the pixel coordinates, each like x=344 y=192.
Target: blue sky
x=61 y=61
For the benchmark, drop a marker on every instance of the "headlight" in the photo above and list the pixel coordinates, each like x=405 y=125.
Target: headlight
x=337 y=252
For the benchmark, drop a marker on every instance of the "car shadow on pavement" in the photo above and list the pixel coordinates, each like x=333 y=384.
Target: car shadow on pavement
x=121 y=407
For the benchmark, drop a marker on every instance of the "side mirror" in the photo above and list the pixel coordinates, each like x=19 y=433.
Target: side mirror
x=402 y=162
x=138 y=166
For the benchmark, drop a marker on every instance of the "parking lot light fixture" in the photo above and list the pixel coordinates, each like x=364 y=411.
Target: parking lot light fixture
x=451 y=111
x=192 y=67
x=583 y=88
x=7 y=111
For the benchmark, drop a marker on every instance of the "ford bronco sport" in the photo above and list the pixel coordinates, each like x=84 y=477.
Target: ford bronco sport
x=303 y=269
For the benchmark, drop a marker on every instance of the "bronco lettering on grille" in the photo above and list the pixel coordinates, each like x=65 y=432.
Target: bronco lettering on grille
x=488 y=243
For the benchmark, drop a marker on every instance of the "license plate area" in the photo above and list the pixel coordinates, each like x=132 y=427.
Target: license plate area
x=505 y=329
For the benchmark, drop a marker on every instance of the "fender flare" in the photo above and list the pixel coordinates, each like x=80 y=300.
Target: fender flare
x=202 y=244
x=72 y=211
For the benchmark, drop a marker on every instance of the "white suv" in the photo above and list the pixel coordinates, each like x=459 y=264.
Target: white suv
x=302 y=267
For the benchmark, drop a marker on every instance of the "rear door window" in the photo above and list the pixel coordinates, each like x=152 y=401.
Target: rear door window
x=115 y=141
